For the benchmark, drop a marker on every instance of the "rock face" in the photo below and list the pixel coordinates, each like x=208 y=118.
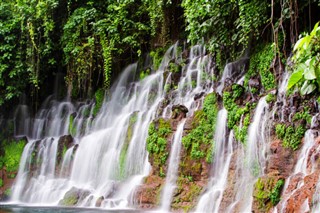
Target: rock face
x=64 y=143
x=304 y=194
x=148 y=194
x=73 y=197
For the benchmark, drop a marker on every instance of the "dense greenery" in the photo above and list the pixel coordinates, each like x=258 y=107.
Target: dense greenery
x=260 y=63
x=89 y=42
x=199 y=141
x=290 y=135
x=12 y=154
x=157 y=143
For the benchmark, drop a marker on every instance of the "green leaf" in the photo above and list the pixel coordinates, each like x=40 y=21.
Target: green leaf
x=315 y=29
x=295 y=78
x=309 y=70
x=307 y=88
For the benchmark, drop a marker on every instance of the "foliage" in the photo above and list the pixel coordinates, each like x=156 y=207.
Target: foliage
x=157 y=142
x=25 y=40
x=290 y=135
x=268 y=192
x=234 y=111
x=306 y=67
x=224 y=24
x=241 y=134
x=280 y=131
x=12 y=154
x=303 y=115
x=260 y=62
x=270 y=98
x=275 y=194
x=199 y=141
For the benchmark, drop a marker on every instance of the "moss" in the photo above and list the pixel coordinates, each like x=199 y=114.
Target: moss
x=268 y=192
x=123 y=153
x=70 y=200
x=99 y=96
x=157 y=142
x=187 y=193
x=199 y=141
x=72 y=129
x=1 y=182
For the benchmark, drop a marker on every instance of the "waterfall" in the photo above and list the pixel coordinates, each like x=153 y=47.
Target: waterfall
x=94 y=165
x=172 y=173
x=102 y=164
x=211 y=200
x=305 y=165
x=251 y=161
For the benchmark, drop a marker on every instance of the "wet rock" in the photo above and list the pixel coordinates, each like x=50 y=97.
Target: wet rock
x=198 y=95
x=189 y=124
x=64 y=143
x=73 y=197
x=179 y=112
x=281 y=160
x=296 y=201
x=295 y=100
x=254 y=83
x=147 y=194
x=99 y=201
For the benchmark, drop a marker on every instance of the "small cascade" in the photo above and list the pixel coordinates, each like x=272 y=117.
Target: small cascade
x=195 y=82
x=211 y=199
x=251 y=161
x=172 y=173
x=22 y=120
x=305 y=166
x=232 y=72
x=281 y=103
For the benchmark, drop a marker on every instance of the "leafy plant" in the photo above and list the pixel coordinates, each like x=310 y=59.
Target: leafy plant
x=276 y=192
x=12 y=154
x=199 y=141
x=157 y=142
x=306 y=67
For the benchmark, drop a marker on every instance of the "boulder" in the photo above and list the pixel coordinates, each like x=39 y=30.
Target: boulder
x=73 y=197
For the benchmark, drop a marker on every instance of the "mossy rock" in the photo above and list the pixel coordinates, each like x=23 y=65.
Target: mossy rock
x=73 y=197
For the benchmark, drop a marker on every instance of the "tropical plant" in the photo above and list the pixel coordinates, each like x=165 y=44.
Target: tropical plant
x=306 y=75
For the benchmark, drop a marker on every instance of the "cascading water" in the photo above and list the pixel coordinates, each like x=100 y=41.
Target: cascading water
x=251 y=161
x=305 y=165
x=195 y=80
x=103 y=164
x=211 y=200
x=172 y=173
x=95 y=166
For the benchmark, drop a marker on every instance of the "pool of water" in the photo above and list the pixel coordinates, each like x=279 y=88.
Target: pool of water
x=41 y=209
